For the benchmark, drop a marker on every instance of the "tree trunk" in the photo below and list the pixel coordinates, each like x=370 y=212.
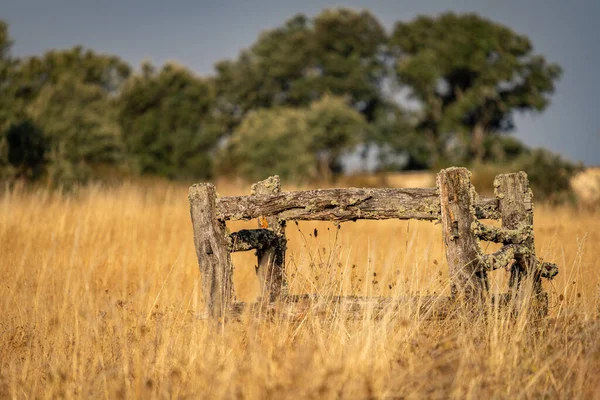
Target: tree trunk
x=324 y=168
x=478 y=135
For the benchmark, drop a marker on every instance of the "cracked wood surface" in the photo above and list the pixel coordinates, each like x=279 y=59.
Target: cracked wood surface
x=214 y=258
x=344 y=205
x=467 y=277
x=501 y=235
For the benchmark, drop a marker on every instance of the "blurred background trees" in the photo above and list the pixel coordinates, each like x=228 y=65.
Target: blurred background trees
x=301 y=143
x=299 y=102
x=470 y=76
x=168 y=122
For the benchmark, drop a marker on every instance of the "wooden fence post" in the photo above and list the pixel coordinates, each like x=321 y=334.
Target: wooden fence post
x=457 y=201
x=213 y=254
x=516 y=210
x=271 y=258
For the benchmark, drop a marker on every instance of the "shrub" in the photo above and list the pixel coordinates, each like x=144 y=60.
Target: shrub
x=549 y=175
x=26 y=150
x=296 y=143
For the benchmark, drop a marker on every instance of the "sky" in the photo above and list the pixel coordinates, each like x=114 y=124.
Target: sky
x=199 y=33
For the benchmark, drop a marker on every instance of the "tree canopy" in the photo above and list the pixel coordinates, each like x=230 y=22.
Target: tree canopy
x=7 y=64
x=299 y=143
x=470 y=75
x=340 y=52
x=299 y=99
x=168 y=123
x=80 y=124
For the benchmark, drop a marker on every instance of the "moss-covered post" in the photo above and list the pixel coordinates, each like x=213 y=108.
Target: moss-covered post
x=467 y=278
x=271 y=257
x=515 y=201
x=213 y=254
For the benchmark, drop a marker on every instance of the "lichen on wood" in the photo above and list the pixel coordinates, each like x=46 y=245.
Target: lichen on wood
x=343 y=205
x=548 y=270
x=270 y=267
x=501 y=235
x=252 y=239
x=516 y=209
x=502 y=258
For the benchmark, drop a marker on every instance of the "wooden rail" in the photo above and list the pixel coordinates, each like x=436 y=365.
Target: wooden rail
x=453 y=202
x=345 y=205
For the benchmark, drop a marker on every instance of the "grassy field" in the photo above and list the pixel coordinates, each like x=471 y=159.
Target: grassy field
x=99 y=297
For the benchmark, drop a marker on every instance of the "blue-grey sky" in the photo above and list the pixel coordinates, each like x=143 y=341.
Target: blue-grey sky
x=199 y=33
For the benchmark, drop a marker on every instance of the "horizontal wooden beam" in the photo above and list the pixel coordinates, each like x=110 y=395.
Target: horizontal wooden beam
x=352 y=307
x=501 y=235
x=348 y=307
x=249 y=239
x=509 y=253
x=344 y=205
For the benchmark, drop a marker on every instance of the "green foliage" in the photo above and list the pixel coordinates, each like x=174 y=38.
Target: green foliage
x=469 y=75
x=303 y=95
x=168 y=123
x=5 y=41
x=400 y=145
x=105 y=72
x=334 y=128
x=502 y=149
x=301 y=144
x=67 y=95
x=26 y=150
x=270 y=142
x=80 y=122
x=7 y=67
x=5 y=98
x=340 y=52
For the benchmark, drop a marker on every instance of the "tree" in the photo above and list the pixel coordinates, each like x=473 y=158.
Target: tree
x=351 y=57
x=66 y=94
x=7 y=66
x=399 y=145
x=469 y=75
x=168 y=122
x=296 y=143
x=271 y=141
x=80 y=123
x=503 y=149
x=106 y=72
x=334 y=128
x=340 y=51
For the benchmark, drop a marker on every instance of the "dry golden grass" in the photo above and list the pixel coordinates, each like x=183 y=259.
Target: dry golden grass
x=99 y=297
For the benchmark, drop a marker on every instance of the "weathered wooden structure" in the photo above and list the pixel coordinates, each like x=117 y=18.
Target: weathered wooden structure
x=453 y=202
